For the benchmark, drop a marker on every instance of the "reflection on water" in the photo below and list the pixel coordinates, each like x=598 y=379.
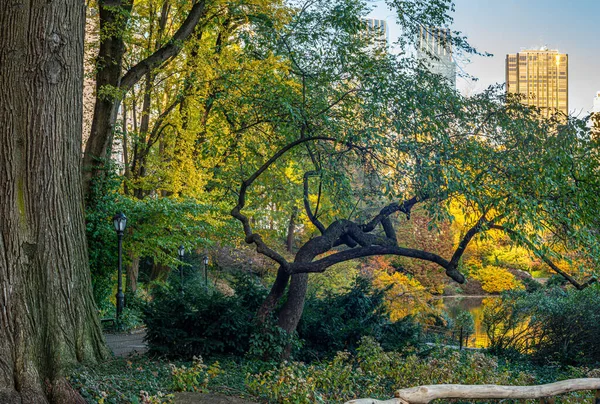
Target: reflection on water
x=474 y=305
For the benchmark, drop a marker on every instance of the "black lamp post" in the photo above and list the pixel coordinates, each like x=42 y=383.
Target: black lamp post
x=120 y=221
x=206 y=271
x=181 y=255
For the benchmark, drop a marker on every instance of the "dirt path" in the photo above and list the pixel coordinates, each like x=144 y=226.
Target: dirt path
x=199 y=398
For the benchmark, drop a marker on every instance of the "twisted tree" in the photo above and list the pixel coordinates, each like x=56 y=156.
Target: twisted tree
x=372 y=135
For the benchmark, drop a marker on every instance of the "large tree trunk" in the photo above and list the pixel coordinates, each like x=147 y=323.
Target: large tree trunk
x=113 y=19
x=291 y=312
x=47 y=314
x=277 y=290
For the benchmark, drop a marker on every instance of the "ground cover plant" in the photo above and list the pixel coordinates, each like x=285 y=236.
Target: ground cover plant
x=370 y=372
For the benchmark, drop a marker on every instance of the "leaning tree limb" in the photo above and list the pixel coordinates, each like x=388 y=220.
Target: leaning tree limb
x=236 y=212
x=544 y=257
x=426 y=394
x=308 y=210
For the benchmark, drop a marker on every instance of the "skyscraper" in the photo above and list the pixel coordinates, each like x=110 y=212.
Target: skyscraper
x=541 y=77
x=378 y=29
x=595 y=119
x=596 y=107
x=434 y=46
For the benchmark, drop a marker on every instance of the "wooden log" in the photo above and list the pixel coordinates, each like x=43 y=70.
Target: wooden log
x=425 y=394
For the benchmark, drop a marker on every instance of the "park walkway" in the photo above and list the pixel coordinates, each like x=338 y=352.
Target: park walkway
x=127 y=344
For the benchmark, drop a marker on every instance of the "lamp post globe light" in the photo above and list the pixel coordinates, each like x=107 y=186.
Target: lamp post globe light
x=120 y=222
x=181 y=255
x=206 y=271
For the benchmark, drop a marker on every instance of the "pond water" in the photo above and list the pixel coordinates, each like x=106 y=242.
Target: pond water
x=453 y=305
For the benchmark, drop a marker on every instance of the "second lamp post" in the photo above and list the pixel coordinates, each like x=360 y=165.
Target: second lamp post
x=206 y=271
x=181 y=255
x=120 y=221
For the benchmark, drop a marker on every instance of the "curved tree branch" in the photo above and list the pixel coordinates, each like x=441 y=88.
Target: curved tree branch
x=166 y=52
x=313 y=219
x=403 y=207
x=324 y=263
x=555 y=268
x=236 y=212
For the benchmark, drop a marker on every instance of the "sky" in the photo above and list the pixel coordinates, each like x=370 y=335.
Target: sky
x=501 y=27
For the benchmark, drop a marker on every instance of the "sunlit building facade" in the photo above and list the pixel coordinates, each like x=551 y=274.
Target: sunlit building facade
x=596 y=107
x=378 y=29
x=595 y=121
x=541 y=77
x=434 y=46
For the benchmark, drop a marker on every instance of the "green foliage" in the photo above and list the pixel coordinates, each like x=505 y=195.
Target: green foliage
x=464 y=321
x=207 y=322
x=124 y=381
x=401 y=335
x=268 y=342
x=156 y=227
x=556 y=280
x=551 y=325
x=372 y=372
x=337 y=322
x=531 y=285
x=193 y=378
x=202 y=321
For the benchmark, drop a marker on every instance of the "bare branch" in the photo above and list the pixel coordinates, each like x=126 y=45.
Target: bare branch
x=403 y=207
x=324 y=263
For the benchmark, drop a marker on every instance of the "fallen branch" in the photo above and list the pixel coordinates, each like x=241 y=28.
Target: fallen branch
x=426 y=394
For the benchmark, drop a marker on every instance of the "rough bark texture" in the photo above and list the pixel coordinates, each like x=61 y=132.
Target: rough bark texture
x=289 y=241
x=276 y=293
x=47 y=314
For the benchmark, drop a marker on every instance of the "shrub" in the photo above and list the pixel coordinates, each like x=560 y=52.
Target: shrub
x=207 y=322
x=338 y=322
x=550 y=325
x=195 y=377
x=400 y=335
x=531 y=285
x=373 y=372
x=496 y=280
x=202 y=322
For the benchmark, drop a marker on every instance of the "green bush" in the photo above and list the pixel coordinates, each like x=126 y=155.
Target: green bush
x=551 y=325
x=207 y=322
x=195 y=377
x=337 y=322
x=202 y=321
x=375 y=373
